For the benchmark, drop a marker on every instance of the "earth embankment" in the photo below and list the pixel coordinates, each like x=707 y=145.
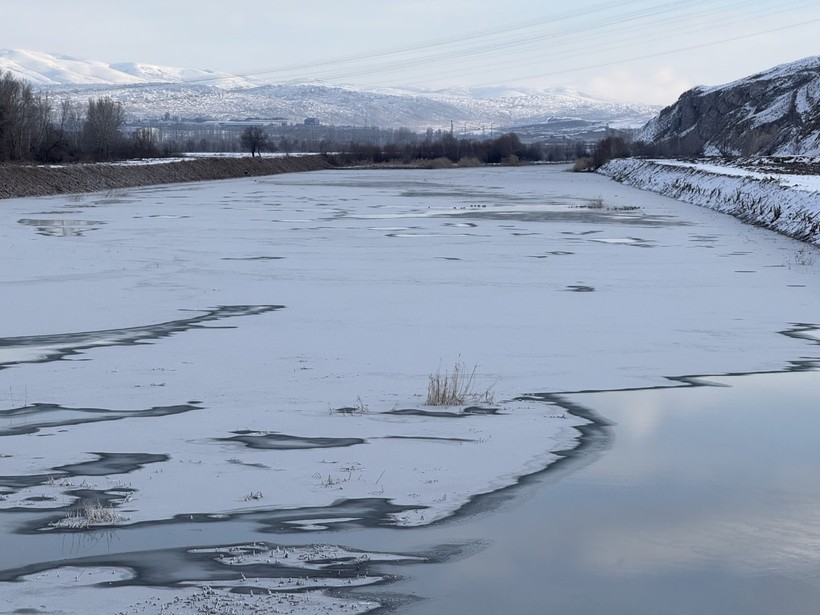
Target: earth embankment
x=782 y=201
x=43 y=180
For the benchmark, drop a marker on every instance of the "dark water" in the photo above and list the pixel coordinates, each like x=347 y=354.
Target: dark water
x=706 y=501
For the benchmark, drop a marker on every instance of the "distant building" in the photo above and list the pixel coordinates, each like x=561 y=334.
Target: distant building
x=311 y=121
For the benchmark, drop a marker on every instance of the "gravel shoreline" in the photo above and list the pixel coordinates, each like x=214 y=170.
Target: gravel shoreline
x=43 y=180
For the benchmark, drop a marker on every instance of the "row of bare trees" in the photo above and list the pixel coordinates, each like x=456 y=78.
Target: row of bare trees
x=33 y=127
x=506 y=148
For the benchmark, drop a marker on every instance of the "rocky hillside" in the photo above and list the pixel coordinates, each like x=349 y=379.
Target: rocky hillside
x=150 y=91
x=776 y=112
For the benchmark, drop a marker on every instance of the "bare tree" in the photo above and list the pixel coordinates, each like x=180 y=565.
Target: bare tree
x=38 y=126
x=287 y=145
x=144 y=143
x=11 y=116
x=101 y=129
x=255 y=140
x=69 y=126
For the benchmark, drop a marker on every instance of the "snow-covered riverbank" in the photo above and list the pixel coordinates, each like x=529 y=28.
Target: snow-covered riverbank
x=786 y=203
x=25 y=180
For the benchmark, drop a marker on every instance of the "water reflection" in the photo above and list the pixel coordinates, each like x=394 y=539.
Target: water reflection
x=707 y=502
x=62 y=228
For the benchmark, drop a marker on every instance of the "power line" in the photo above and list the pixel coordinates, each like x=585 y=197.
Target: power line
x=566 y=36
x=485 y=42
x=497 y=50
x=673 y=51
x=651 y=23
x=609 y=46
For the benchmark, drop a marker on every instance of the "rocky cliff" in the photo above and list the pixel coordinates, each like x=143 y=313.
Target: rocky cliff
x=776 y=112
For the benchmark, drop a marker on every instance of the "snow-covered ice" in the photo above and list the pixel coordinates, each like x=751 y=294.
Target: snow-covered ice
x=226 y=349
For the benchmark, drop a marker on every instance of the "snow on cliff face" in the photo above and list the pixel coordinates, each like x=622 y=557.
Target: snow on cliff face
x=775 y=112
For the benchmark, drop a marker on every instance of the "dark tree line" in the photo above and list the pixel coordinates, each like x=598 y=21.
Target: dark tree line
x=605 y=150
x=617 y=147
x=33 y=127
x=445 y=146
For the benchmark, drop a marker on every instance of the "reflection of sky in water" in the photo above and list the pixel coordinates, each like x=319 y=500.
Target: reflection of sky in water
x=708 y=501
x=732 y=472
x=61 y=228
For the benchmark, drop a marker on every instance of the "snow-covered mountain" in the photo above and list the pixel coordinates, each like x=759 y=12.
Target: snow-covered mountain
x=151 y=91
x=775 y=112
x=45 y=69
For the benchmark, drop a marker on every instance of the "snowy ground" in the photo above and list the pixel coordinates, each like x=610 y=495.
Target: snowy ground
x=228 y=349
x=774 y=198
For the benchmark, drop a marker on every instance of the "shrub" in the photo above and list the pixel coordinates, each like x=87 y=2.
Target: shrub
x=469 y=161
x=442 y=162
x=582 y=164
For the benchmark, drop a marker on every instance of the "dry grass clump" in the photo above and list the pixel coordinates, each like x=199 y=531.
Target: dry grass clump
x=469 y=161
x=582 y=164
x=442 y=162
x=97 y=514
x=90 y=514
x=804 y=257
x=456 y=388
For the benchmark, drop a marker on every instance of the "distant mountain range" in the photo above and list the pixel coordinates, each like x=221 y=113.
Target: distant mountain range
x=151 y=91
x=772 y=113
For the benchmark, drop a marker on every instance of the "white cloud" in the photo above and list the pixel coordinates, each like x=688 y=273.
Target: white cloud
x=662 y=87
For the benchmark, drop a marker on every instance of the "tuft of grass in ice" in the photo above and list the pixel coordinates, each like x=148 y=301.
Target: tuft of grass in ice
x=90 y=514
x=361 y=407
x=455 y=388
x=804 y=257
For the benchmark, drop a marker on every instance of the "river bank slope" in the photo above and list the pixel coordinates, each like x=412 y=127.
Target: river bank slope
x=784 y=197
x=44 y=180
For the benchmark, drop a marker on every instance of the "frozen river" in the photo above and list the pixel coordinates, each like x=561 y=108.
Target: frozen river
x=188 y=370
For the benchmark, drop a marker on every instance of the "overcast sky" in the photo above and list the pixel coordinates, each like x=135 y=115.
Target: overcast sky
x=636 y=50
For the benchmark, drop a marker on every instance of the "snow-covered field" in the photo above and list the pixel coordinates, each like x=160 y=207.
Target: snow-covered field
x=228 y=350
x=787 y=203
